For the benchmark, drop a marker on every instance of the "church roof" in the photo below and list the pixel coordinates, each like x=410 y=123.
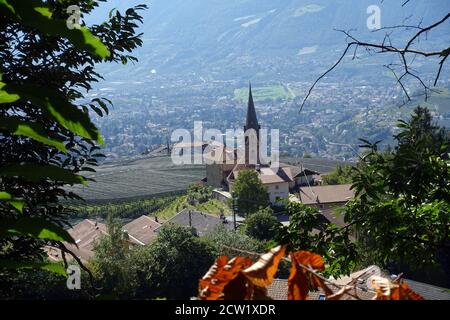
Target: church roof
x=267 y=175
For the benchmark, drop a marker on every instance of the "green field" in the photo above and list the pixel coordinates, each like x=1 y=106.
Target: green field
x=274 y=92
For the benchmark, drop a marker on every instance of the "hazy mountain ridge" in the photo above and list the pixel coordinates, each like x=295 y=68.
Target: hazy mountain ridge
x=197 y=35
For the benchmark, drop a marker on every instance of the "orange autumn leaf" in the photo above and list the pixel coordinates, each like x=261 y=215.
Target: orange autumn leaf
x=298 y=287
x=262 y=272
x=240 y=288
x=301 y=280
x=386 y=290
x=404 y=292
x=382 y=287
x=310 y=259
x=260 y=293
x=211 y=286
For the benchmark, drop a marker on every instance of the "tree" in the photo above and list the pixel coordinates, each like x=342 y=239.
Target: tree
x=262 y=225
x=308 y=229
x=342 y=175
x=198 y=193
x=249 y=193
x=112 y=263
x=226 y=242
x=406 y=51
x=47 y=137
x=401 y=208
x=170 y=266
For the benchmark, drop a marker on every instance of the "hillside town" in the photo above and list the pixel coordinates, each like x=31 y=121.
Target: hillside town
x=286 y=182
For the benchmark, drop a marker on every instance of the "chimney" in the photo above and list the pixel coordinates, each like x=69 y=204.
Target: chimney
x=156 y=219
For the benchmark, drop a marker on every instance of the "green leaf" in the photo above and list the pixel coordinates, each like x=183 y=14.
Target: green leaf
x=15 y=202
x=38 y=15
x=35 y=172
x=56 y=106
x=52 y=267
x=35 y=228
x=32 y=130
x=6 y=97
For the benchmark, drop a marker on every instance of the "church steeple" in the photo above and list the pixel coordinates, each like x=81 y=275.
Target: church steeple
x=251 y=130
x=252 y=120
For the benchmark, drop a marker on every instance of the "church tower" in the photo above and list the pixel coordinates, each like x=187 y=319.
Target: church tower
x=251 y=130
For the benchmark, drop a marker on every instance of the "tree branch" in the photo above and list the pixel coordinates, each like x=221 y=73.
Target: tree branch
x=387 y=47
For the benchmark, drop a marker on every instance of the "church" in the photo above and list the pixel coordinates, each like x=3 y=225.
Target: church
x=225 y=164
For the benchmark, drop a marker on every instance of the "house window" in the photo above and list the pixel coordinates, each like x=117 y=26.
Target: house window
x=322 y=297
x=321 y=206
x=277 y=187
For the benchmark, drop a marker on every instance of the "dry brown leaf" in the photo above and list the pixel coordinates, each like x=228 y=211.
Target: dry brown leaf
x=302 y=280
x=298 y=287
x=212 y=285
x=260 y=293
x=317 y=282
x=387 y=290
x=403 y=292
x=310 y=259
x=382 y=287
x=240 y=288
x=262 y=272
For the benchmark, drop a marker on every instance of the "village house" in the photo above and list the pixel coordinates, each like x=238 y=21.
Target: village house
x=85 y=234
x=142 y=231
x=327 y=199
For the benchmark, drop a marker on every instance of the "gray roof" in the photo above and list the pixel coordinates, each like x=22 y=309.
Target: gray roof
x=428 y=291
x=142 y=230
x=202 y=222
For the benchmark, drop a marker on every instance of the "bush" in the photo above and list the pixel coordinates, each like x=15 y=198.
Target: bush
x=171 y=266
x=226 y=242
x=199 y=193
x=262 y=225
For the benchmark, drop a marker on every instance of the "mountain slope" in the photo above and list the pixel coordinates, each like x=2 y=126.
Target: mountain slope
x=234 y=36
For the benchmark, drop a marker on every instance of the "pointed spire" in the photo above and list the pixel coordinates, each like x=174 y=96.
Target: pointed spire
x=252 y=120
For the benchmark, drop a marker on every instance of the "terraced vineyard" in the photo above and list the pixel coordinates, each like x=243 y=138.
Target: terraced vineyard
x=138 y=178
x=148 y=176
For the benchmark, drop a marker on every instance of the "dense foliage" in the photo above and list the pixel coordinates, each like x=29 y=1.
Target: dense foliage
x=249 y=193
x=199 y=194
x=167 y=268
x=262 y=225
x=402 y=204
x=342 y=175
x=47 y=138
x=310 y=230
x=226 y=242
